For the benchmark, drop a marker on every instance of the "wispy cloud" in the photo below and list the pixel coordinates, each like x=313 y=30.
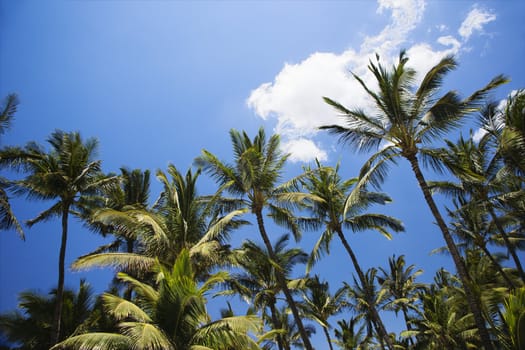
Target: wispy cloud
x=475 y=21
x=294 y=98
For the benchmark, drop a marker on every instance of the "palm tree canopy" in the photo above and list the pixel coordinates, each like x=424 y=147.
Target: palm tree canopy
x=32 y=328
x=409 y=117
x=329 y=208
x=170 y=314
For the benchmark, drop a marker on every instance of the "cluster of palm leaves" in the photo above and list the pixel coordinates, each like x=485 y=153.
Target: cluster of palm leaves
x=174 y=254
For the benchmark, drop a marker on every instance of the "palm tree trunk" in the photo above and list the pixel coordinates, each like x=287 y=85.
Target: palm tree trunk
x=381 y=330
x=281 y=280
x=472 y=300
x=509 y=245
x=409 y=327
x=327 y=335
x=61 y=269
x=276 y=325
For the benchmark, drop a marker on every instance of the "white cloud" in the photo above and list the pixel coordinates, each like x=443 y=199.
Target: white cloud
x=294 y=98
x=303 y=150
x=478 y=134
x=475 y=21
x=405 y=15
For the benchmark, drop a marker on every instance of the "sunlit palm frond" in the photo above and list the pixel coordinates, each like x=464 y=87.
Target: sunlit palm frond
x=95 y=341
x=145 y=336
x=125 y=261
x=123 y=309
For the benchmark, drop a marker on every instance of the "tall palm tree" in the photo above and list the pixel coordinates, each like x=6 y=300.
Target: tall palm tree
x=407 y=119
x=481 y=181
x=169 y=315
x=252 y=179
x=327 y=207
x=319 y=305
x=7 y=218
x=258 y=283
x=32 y=327
x=64 y=174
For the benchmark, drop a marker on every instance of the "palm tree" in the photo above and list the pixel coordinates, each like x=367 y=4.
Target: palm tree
x=319 y=305
x=65 y=174
x=482 y=181
x=258 y=283
x=471 y=225
x=401 y=287
x=169 y=315
x=7 y=218
x=364 y=299
x=290 y=335
x=347 y=338
x=32 y=327
x=511 y=333
x=507 y=127
x=409 y=118
x=327 y=206
x=180 y=219
x=442 y=325
x=131 y=192
x=252 y=178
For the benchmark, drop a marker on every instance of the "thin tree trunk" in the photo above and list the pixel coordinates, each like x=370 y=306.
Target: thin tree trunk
x=327 y=335
x=276 y=325
x=409 y=327
x=381 y=330
x=61 y=268
x=509 y=245
x=472 y=299
x=282 y=281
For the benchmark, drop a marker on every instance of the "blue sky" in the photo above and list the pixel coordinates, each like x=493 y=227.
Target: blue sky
x=157 y=81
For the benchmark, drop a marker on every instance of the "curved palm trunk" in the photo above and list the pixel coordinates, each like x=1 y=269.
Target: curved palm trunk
x=472 y=300
x=510 y=247
x=281 y=280
x=61 y=268
x=380 y=327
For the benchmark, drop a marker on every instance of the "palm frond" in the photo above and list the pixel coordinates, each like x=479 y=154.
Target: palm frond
x=98 y=341
x=124 y=261
x=123 y=309
x=145 y=336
